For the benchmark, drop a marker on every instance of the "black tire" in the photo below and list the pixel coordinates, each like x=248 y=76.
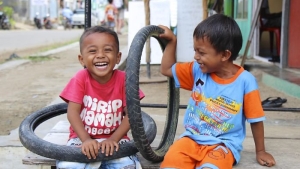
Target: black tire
x=133 y=101
x=68 y=153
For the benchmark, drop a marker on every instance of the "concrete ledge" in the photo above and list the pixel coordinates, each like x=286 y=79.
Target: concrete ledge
x=13 y=63
x=57 y=50
x=281 y=84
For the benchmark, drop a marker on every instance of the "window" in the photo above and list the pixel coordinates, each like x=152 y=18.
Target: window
x=242 y=9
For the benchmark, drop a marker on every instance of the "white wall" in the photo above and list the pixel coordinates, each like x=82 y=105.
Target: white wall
x=186 y=14
x=189 y=15
x=159 y=15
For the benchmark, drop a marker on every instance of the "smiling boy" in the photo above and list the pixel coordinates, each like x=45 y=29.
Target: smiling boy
x=224 y=96
x=97 y=103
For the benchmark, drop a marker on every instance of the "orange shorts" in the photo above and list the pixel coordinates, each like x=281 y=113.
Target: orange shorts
x=187 y=154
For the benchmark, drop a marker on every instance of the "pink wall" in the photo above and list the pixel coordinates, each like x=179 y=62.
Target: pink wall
x=294 y=35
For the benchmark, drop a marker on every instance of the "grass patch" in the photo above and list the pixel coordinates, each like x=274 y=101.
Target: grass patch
x=39 y=58
x=30 y=53
x=57 y=45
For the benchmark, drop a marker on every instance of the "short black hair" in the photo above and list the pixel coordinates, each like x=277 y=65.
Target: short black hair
x=99 y=29
x=110 y=1
x=222 y=32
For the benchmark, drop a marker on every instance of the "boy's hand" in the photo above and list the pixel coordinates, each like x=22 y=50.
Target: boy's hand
x=108 y=146
x=90 y=148
x=168 y=34
x=265 y=159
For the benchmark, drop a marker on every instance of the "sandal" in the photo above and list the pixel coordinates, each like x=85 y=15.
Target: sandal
x=273 y=102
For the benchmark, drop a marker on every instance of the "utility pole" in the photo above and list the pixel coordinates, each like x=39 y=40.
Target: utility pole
x=87 y=18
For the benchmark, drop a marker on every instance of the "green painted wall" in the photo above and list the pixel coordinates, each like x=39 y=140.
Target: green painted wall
x=228 y=8
x=244 y=24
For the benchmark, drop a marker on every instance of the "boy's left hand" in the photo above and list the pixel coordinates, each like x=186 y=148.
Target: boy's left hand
x=107 y=146
x=168 y=34
x=265 y=159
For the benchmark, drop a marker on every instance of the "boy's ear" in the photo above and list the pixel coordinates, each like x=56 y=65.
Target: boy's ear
x=226 y=55
x=80 y=59
x=119 y=55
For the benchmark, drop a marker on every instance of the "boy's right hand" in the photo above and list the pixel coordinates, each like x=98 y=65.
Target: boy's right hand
x=90 y=148
x=168 y=34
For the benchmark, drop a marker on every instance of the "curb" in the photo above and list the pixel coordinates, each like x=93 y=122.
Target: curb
x=281 y=85
x=13 y=63
x=56 y=50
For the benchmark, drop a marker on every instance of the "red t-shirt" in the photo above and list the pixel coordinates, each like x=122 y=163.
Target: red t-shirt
x=102 y=105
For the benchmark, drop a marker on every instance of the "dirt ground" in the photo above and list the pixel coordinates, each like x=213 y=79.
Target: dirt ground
x=32 y=86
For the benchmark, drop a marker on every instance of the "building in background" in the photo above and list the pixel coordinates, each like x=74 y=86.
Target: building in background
x=25 y=10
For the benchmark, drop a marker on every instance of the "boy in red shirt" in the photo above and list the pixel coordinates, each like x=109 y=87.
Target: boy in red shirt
x=97 y=102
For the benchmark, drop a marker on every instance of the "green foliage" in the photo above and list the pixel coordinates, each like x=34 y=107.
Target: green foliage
x=9 y=11
x=39 y=58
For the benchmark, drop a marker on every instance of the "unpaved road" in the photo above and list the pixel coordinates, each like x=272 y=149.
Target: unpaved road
x=31 y=86
x=23 y=42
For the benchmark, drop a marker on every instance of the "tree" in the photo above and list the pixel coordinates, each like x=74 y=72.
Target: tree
x=205 y=10
x=1 y=2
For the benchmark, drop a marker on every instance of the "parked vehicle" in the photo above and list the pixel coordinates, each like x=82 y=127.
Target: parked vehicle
x=67 y=23
x=67 y=14
x=47 y=22
x=78 y=18
x=4 y=21
x=37 y=21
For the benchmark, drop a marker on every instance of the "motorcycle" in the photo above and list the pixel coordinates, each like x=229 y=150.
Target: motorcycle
x=67 y=23
x=4 y=21
x=47 y=23
x=37 y=22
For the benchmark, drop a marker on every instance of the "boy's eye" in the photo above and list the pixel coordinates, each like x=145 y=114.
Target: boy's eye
x=108 y=49
x=201 y=53
x=92 y=51
x=197 y=51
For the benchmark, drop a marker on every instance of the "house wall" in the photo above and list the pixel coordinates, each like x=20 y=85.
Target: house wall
x=43 y=7
x=294 y=34
x=275 y=6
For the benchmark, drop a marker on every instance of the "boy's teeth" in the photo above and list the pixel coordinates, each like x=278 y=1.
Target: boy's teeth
x=100 y=64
